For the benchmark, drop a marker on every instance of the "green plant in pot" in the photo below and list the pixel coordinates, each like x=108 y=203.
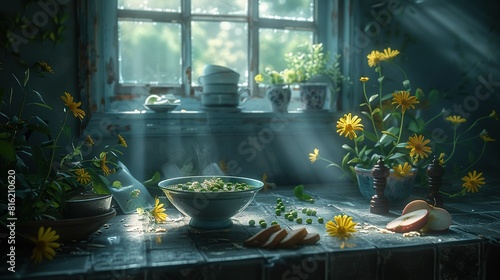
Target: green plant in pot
x=45 y=175
x=315 y=70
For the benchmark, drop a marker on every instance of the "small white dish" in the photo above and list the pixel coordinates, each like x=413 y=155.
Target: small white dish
x=160 y=108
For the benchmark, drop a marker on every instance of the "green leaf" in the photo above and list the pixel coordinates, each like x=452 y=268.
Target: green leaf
x=348 y=148
x=370 y=136
x=373 y=97
x=116 y=184
x=40 y=104
x=7 y=151
x=359 y=139
x=153 y=181
x=377 y=110
x=390 y=134
x=354 y=161
x=368 y=115
x=38 y=125
x=396 y=156
x=345 y=159
x=98 y=184
x=299 y=193
x=381 y=79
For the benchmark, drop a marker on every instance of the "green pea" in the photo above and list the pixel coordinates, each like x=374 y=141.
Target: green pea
x=263 y=225
x=251 y=223
x=290 y=218
x=320 y=220
x=278 y=212
x=309 y=221
x=304 y=210
x=299 y=220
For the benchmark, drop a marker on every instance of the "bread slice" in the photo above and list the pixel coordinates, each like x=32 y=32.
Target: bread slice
x=310 y=239
x=261 y=237
x=275 y=239
x=293 y=238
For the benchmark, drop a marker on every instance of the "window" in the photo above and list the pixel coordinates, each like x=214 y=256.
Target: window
x=162 y=46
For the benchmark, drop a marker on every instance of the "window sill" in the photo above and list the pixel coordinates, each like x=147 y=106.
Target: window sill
x=147 y=123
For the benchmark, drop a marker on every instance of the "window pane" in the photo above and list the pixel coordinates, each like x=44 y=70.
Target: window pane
x=222 y=43
x=275 y=43
x=149 y=52
x=220 y=7
x=290 y=9
x=151 y=5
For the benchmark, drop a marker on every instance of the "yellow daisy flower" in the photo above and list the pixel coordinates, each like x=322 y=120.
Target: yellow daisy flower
x=314 y=156
x=388 y=53
x=45 y=67
x=418 y=147
x=82 y=176
x=473 y=181
x=364 y=79
x=342 y=227
x=45 y=244
x=89 y=141
x=122 y=141
x=102 y=163
x=441 y=159
x=456 y=119
x=158 y=212
x=403 y=99
x=374 y=58
x=493 y=115
x=73 y=106
x=259 y=78
x=485 y=136
x=348 y=126
x=402 y=170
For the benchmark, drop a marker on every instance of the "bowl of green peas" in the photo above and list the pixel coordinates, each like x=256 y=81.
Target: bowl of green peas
x=210 y=201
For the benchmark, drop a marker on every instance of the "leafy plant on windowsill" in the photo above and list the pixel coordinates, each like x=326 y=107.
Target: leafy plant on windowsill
x=399 y=136
x=45 y=176
x=310 y=62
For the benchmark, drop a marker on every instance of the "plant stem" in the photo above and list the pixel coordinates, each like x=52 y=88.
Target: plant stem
x=55 y=145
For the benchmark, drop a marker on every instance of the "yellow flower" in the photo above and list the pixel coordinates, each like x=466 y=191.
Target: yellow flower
x=89 y=141
x=122 y=141
x=403 y=99
x=45 y=67
x=402 y=170
x=374 y=58
x=418 y=147
x=82 y=176
x=364 y=79
x=314 y=156
x=342 y=227
x=102 y=163
x=485 y=136
x=259 y=78
x=441 y=159
x=388 y=53
x=473 y=181
x=158 y=212
x=348 y=126
x=456 y=119
x=45 y=244
x=493 y=115
x=73 y=106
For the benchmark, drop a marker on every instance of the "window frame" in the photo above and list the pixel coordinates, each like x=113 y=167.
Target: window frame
x=98 y=57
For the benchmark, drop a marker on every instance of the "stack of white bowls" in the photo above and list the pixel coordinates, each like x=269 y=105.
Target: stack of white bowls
x=220 y=87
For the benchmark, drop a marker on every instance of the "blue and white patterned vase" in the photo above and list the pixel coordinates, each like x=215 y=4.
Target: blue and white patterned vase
x=279 y=95
x=313 y=96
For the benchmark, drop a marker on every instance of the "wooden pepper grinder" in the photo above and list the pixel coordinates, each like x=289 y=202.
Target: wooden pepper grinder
x=379 y=203
x=435 y=173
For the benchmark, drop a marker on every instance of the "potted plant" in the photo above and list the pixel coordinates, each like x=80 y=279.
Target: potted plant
x=388 y=128
x=316 y=71
x=45 y=179
x=277 y=88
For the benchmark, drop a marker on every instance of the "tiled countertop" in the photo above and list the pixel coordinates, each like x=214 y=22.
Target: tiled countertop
x=470 y=249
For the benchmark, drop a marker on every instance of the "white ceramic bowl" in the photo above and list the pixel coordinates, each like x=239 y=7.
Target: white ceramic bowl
x=210 y=210
x=213 y=69
x=220 y=88
x=219 y=78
